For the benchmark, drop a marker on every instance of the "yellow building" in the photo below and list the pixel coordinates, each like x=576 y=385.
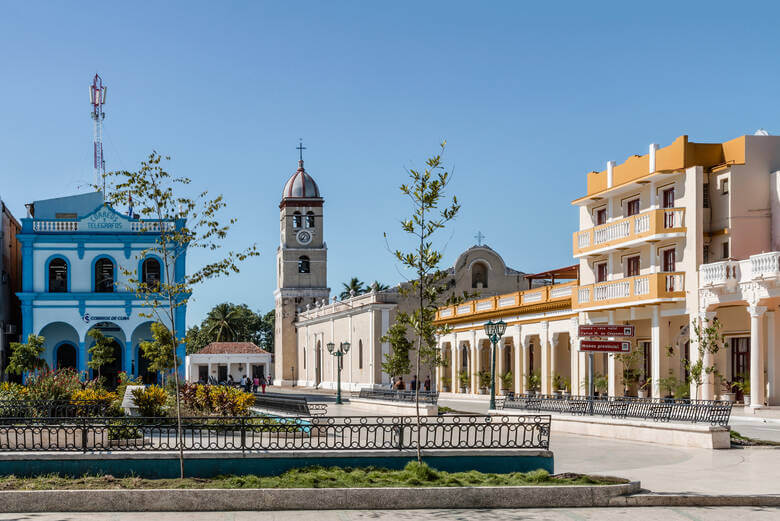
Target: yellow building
x=665 y=240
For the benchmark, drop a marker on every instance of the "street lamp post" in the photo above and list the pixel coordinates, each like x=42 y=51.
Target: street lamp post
x=494 y=331
x=339 y=354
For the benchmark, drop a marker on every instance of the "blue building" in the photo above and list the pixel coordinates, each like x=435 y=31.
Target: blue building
x=74 y=252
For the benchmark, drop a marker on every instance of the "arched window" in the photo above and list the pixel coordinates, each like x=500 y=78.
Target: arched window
x=360 y=354
x=310 y=219
x=150 y=273
x=58 y=276
x=66 y=356
x=297 y=219
x=303 y=264
x=104 y=276
x=479 y=276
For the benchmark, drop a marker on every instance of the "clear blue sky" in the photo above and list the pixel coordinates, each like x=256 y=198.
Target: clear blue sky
x=529 y=95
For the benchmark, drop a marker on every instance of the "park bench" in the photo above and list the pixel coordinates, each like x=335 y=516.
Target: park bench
x=661 y=411
x=294 y=404
x=618 y=409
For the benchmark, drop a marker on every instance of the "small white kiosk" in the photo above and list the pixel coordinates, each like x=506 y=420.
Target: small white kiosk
x=218 y=360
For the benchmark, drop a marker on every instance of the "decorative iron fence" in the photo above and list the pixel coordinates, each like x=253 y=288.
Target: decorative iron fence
x=714 y=412
x=10 y=409
x=257 y=433
x=430 y=397
x=289 y=404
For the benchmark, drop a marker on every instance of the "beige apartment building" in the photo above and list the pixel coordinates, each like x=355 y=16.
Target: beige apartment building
x=682 y=234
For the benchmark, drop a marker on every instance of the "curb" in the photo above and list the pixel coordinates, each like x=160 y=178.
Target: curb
x=694 y=500
x=203 y=500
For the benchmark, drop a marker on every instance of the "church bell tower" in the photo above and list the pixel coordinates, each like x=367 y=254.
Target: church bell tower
x=301 y=267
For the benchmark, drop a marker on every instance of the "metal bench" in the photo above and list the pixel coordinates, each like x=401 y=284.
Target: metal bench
x=296 y=405
x=618 y=409
x=660 y=411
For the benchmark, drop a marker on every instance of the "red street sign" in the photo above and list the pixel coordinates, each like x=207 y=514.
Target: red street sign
x=612 y=330
x=605 y=346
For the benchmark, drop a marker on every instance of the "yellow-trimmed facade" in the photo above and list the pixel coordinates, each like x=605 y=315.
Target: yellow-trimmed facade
x=684 y=233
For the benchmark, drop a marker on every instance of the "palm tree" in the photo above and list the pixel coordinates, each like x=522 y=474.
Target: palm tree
x=222 y=319
x=353 y=285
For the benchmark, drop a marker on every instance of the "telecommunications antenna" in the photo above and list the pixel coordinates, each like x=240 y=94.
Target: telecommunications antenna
x=97 y=97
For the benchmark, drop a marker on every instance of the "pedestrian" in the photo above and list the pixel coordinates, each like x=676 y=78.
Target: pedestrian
x=413 y=383
x=230 y=381
x=399 y=385
x=263 y=383
x=243 y=381
x=427 y=383
x=255 y=384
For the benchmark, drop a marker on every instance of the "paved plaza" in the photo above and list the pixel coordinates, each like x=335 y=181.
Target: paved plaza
x=562 y=514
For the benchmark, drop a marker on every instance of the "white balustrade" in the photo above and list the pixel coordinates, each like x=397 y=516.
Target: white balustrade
x=529 y=298
x=612 y=290
x=583 y=295
x=482 y=306
x=464 y=309
x=55 y=226
x=560 y=292
x=612 y=232
x=583 y=239
x=765 y=265
x=506 y=301
x=674 y=282
x=673 y=218
x=642 y=223
x=641 y=286
x=718 y=273
x=445 y=312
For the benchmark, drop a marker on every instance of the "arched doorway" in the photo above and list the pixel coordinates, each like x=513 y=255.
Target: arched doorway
x=109 y=372
x=67 y=356
x=147 y=376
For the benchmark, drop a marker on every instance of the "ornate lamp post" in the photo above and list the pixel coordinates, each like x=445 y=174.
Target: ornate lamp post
x=494 y=331
x=343 y=350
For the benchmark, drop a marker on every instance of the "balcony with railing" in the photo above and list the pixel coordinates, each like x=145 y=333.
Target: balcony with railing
x=631 y=290
x=729 y=273
x=517 y=302
x=645 y=226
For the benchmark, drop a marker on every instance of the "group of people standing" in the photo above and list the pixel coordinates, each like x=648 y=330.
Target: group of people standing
x=399 y=384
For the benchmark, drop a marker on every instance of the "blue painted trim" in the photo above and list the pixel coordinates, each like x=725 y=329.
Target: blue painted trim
x=57 y=347
x=82 y=357
x=141 y=261
x=92 y=272
x=79 y=295
x=87 y=237
x=46 y=271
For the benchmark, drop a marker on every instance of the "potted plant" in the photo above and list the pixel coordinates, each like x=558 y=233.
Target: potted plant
x=682 y=391
x=557 y=384
x=566 y=387
x=641 y=391
x=600 y=384
x=727 y=390
x=533 y=383
x=506 y=382
x=669 y=383
x=445 y=383
x=464 y=380
x=484 y=381
x=744 y=387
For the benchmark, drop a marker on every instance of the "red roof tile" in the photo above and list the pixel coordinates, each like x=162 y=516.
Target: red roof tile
x=231 y=348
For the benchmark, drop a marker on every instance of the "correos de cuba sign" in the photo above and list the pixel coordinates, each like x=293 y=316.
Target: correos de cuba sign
x=104 y=220
x=86 y=317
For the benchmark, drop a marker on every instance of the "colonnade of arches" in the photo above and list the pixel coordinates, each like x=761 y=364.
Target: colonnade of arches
x=64 y=347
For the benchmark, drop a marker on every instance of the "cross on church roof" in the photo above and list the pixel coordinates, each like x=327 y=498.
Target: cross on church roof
x=301 y=148
x=479 y=236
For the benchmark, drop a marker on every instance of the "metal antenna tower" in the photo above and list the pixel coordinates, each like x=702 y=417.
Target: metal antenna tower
x=97 y=97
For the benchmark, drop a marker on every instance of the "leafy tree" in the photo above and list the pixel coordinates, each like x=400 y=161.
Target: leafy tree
x=158 y=351
x=379 y=286
x=177 y=222
x=397 y=361
x=709 y=340
x=430 y=213
x=267 y=326
x=234 y=323
x=355 y=285
x=196 y=339
x=223 y=322
x=27 y=357
x=102 y=353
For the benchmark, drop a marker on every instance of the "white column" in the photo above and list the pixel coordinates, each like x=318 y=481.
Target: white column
x=553 y=367
x=655 y=351
x=574 y=354
x=756 y=356
x=612 y=372
x=517 y=370
x=500 y=347
x=473 y=366
x=207 y=381
x=771 y=359
x=544 y=348
x=455 y=347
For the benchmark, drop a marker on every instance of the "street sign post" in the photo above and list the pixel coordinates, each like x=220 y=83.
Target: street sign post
x=605 y=346
x=606 y=331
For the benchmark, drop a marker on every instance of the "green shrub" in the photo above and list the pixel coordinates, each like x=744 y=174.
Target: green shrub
x=54 y=385
x=150 y=401
x=216 y=400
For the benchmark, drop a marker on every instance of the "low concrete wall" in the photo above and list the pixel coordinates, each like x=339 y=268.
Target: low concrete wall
x=210 y=500
x=692 y=435
x=265 y=463
x=390 y=408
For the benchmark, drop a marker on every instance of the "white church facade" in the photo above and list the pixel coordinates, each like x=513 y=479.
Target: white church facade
x=76 y=252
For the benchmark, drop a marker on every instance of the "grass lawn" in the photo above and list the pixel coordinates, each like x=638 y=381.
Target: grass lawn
x=738 y=439
x=414 y=475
